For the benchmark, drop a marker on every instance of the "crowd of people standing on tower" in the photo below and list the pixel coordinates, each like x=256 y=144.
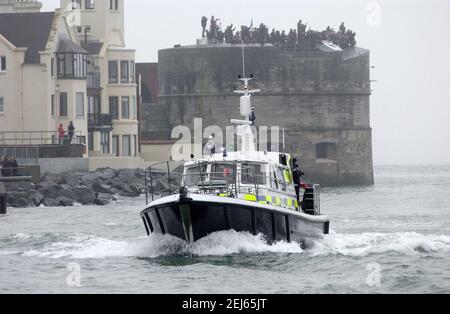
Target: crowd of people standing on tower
x=295 y=37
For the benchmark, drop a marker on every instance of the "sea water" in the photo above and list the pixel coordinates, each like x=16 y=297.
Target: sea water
x=393 y=237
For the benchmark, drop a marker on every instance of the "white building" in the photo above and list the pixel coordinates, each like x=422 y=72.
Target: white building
x=111 y=82
x=36 y=92
x=69 y=65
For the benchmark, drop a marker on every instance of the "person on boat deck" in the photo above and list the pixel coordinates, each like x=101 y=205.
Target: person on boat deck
x=253 y=116
x=210 y=148
x=297 y=178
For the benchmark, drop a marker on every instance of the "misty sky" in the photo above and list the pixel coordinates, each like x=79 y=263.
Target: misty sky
x=409 y=41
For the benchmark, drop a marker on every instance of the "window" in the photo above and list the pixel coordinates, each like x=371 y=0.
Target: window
x=104 y=142
x=133 y=108
x=63 y=105
x=76 y=4
x=114 y=5
x=71 y=65
x=80 y=104
x=114 y=107
x=326 y=151
x=253 y=174
x=126 y=146
x=113 y=72
x=126 y=108
x=280 y=179
x=53 y=105
x=91 y=141
x=223 y=172
x=81 y=140
x=2 y=105
x=52 y=67
x=2 y=64
x=90 y=4
x=194 y=175
x=132 y=71
x=135 y=146
x=124 y=72
x=115 y=145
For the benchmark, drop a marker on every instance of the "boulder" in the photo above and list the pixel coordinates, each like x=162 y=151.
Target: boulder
x=102 y=188
x=88 y=179
x=102 y=202
x=51 y=191
x=37 y=198
x=83 y=195
x=19 y=186
x=72 y=179
x=107 y=174
x=20 y=199
x=58 y=202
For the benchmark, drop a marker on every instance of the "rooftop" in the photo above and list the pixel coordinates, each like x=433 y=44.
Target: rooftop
x=27 y=30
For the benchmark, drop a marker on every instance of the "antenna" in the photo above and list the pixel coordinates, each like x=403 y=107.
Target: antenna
x=243 y=59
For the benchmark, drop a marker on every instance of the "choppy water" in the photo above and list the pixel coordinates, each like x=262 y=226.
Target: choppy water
x=391 y=238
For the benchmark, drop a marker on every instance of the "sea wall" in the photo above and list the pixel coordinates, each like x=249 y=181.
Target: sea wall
x=86 y=188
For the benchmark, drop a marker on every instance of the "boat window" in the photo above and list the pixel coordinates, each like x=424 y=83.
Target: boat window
x=273 y=179
x=223 y=171
x=253 y=173
x=194 y=175
x=280 y=178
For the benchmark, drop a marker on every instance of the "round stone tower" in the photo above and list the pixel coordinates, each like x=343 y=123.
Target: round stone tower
x=320 y=96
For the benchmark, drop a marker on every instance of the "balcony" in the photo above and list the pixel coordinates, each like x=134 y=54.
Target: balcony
x=93 y=80
x=99 y=121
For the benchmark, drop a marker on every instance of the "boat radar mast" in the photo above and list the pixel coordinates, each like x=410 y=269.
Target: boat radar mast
x=243 y=129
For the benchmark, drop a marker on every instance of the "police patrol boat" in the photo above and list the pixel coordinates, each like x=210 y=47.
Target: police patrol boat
x=245 y=190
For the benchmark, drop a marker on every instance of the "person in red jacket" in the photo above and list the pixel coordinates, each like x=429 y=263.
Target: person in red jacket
x=61 y=134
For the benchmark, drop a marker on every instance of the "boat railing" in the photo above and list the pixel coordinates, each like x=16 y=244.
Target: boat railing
x=163 y=179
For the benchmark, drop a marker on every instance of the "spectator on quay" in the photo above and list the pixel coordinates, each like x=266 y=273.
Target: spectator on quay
x=14 y=166
x=61 y=134
x=71 y=131
x=6 y=166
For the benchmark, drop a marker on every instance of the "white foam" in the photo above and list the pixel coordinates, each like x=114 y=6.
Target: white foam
x=378 y=243
x=231 y=242
x=218 y=244
x=22 y=236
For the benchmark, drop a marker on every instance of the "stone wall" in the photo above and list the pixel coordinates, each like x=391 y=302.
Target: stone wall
x=317 y=96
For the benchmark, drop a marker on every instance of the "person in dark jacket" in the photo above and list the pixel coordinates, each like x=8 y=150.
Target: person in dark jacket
x=253 y=116
x=297 y=178
x=14 y=167
x=6 y=166
x=70 y=132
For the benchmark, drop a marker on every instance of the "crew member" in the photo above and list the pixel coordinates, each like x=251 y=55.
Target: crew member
x=297 y=178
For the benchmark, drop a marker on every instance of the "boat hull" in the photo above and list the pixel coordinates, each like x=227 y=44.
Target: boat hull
x=192 y=220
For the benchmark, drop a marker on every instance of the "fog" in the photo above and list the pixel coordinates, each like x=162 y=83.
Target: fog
x=409 y=42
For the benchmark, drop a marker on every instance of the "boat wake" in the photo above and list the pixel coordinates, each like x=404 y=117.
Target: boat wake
x=229 y=243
